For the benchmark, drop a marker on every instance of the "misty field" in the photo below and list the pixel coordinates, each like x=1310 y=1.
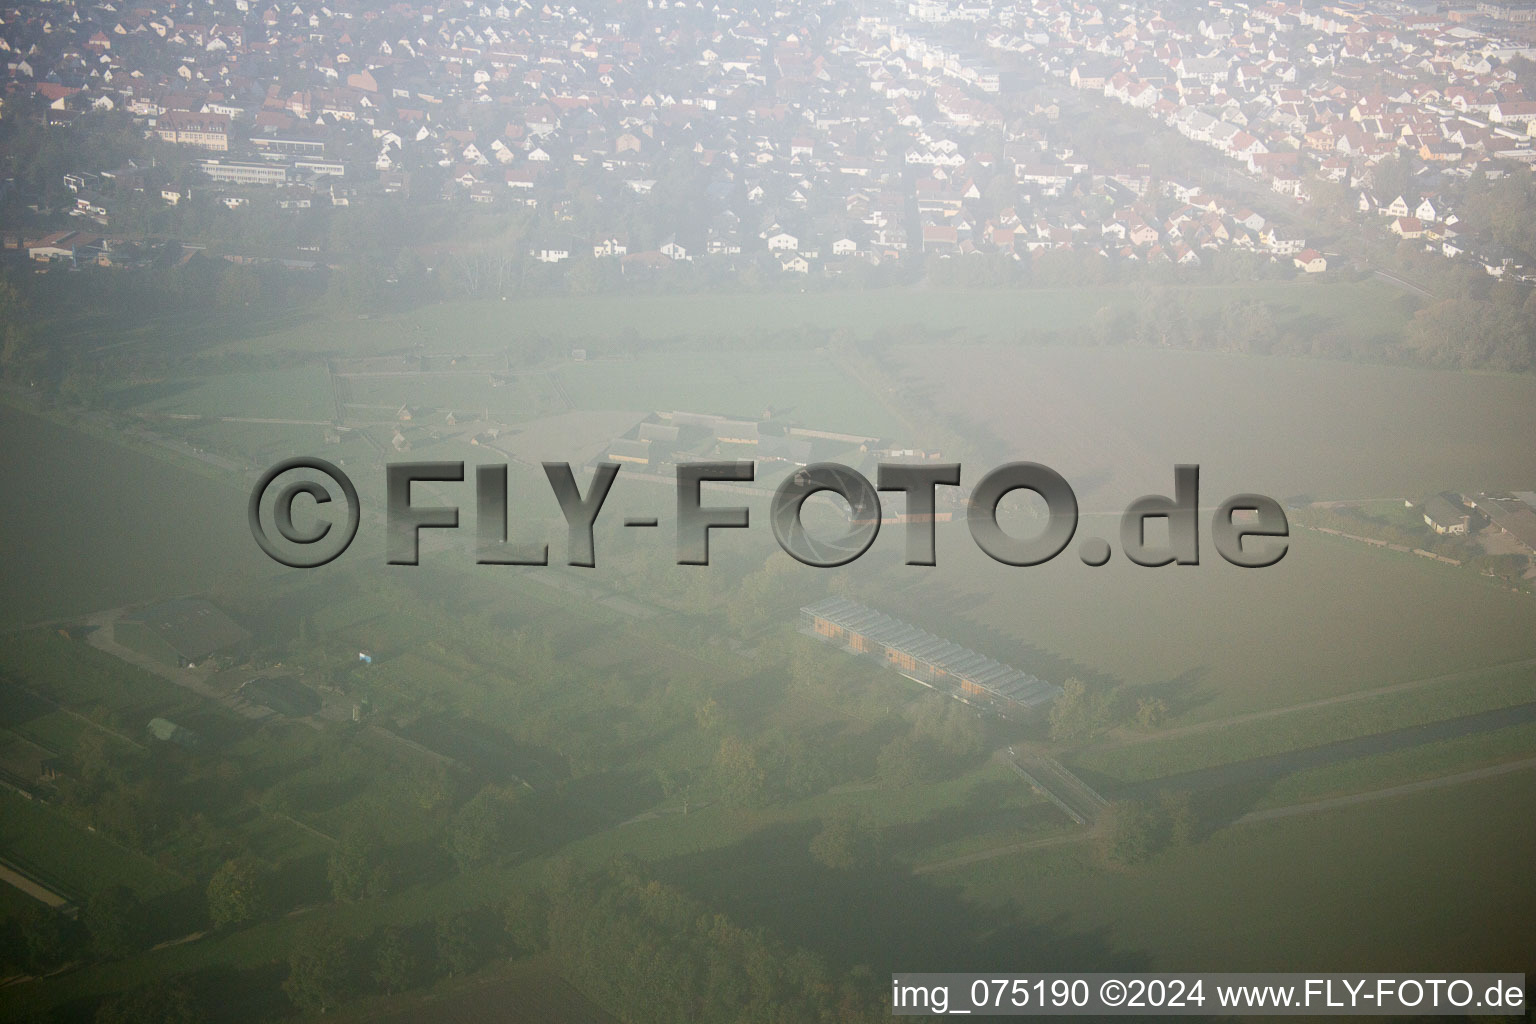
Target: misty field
x=608 y=691
x=293 y=393
x=55 y=850
x=1401 y=884
x=803 y=386
x=90 y=524
x=1115 y=422
x=1215 y=640
x=720 y=321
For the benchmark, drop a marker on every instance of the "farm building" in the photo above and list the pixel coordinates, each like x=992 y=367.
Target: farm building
x=793 y=450
x=666 y=432
x=1446 y=514
x=1515 y=516
x=191 y=627
x=736 y=431
x=918 y=654
x=624 y=449
x=723 y=428
x=283 y=694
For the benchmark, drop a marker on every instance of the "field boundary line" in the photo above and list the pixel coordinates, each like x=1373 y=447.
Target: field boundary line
x=1258 y=817
x=1372 y=795
x=1196 y=728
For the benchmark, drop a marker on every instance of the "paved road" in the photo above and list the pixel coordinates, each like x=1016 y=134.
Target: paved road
x=32 y=888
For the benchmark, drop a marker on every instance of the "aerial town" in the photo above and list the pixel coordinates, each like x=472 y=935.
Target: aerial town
x=801 y=137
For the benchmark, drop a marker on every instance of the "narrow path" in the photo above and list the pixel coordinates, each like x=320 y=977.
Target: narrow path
x=246 y=419
x=1131 y=739
x=1001 y=851
x=1256 y=817
x=1312 y=807
x=1394 y=279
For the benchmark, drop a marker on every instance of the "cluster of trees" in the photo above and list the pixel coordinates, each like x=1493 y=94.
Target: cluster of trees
x=1083 y=268
x=112 y=924
x=1083 y=710
x=903 y=742
x=38 y=156
x=1503 y=211
x=1496 y=332
x=1172 y=318
x=170 y=1002
x=1080 y=711
x=53 y=326
x=1473 y=320
x=645 y=950
x=651 y=953
x=327 y=967
x=482 y=830
x=941 y=737
x=775 y=766
x=1132 y=831
x=845 y=840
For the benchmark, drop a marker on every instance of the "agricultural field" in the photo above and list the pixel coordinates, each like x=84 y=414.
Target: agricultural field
x=714 y=322
x=296 y=393
x=1115 y=422
x=1400 y=884
x=812 y=391
x=94 y=525
x=1214 y=640
x=624 y=711
x=60 y=853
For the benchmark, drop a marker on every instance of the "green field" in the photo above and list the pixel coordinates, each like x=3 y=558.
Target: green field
x=1114 y=422
x=1149 y=756
x=1403 y=884
x=600 y=697
x=713 y=321
x=60 y=853
x=1214 y=640
x=93 y=525
x=1427 y=761
x=805 y=387
x=296 y=393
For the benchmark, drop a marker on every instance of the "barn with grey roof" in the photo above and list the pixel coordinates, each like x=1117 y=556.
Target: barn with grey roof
x=920 y=655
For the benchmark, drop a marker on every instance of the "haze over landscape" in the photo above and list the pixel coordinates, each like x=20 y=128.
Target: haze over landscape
x=1292 y=244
